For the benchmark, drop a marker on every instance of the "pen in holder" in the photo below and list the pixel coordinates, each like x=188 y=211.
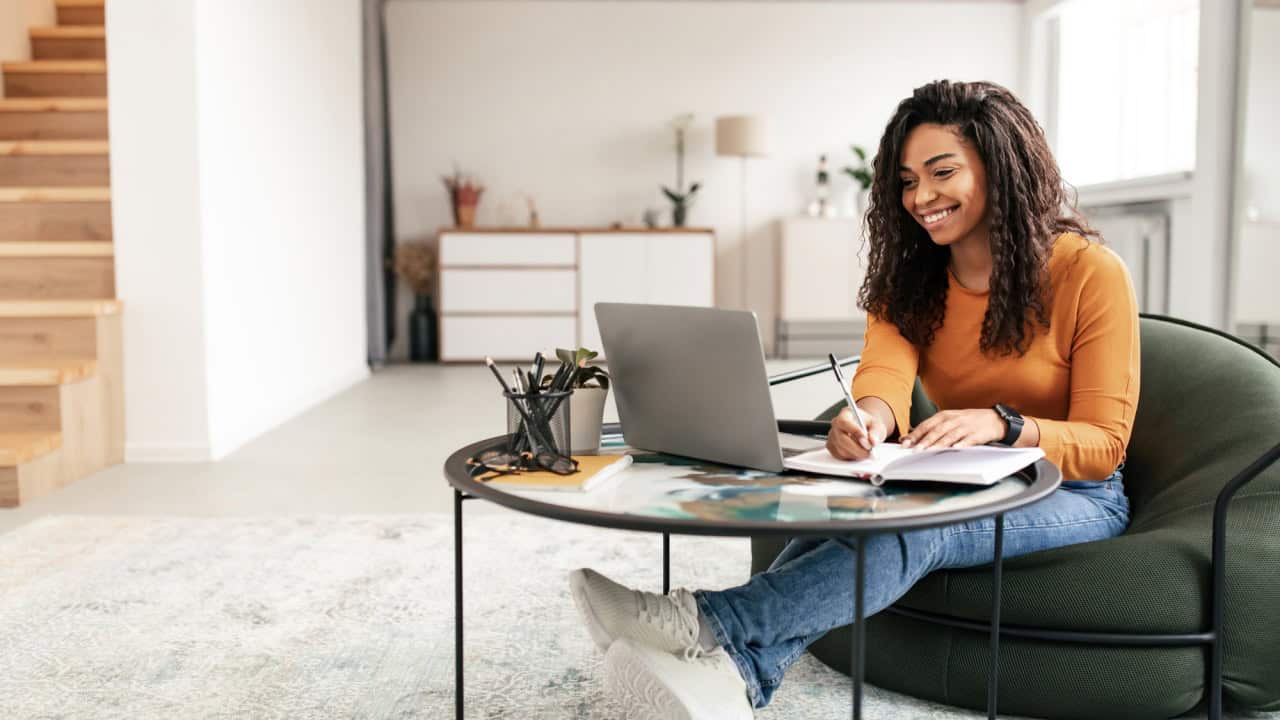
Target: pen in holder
x=549 y=414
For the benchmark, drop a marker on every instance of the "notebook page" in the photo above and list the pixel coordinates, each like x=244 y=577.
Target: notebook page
x=822 y=462
x=983 y=463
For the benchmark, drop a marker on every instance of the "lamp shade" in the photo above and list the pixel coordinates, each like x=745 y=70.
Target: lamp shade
x=742 y=135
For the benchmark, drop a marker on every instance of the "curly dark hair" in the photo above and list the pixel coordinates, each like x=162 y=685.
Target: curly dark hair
x=906 y=282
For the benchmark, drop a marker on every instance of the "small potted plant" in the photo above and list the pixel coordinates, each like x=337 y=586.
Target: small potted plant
x=679 y=197
x=861 y=176
x=590 y=386
x=464 y=196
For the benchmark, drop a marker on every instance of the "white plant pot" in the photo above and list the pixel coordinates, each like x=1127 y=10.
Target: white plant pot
x=586 y=415
x=856 y=201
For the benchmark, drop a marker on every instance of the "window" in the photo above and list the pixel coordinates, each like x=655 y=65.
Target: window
x=1123 y=88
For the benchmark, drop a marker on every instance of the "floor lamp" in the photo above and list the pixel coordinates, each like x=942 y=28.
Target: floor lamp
x=742 y=136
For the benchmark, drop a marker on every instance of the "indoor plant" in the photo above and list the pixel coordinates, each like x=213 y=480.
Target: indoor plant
x=680 y=199
x=464 y=196
x=415 y=264
x=590 y=386
x=857 y=204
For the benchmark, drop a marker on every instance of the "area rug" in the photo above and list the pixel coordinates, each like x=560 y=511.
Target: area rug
x=336 y=617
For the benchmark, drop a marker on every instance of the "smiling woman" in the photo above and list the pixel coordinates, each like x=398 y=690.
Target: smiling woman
x=982 y=285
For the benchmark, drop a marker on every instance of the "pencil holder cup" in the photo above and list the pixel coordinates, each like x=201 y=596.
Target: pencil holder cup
x=549 y=414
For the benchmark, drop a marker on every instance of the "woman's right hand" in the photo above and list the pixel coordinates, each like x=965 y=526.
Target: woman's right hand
x=846 y=441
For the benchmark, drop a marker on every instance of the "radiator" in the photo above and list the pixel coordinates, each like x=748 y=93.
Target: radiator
x=1139 y=234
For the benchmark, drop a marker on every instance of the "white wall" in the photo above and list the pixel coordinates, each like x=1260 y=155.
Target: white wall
x=156 y=219
x=281 y=155
x=237 y=181
x=1199 y=268
x=16 y=16
x=1261 y=188
x=1256 y=255
x=570 y=102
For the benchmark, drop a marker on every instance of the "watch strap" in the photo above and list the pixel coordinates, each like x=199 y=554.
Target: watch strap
x=1013 y=423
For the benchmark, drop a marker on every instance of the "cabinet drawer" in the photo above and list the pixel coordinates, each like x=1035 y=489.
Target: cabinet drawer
x=505 y=337
x=508 y=249
x=508 y=291
x=657 y=268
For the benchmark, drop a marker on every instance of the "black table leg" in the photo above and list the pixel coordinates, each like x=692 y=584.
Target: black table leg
x=457 y=603
x=857 y=665
x=666 y=563
x=993 y=674
x=1215 y=678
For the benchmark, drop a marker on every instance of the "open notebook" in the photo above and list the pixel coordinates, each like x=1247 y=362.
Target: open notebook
x=982 y=465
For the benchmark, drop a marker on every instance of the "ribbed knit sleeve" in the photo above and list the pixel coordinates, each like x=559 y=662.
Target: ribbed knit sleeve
x=887 y=370
x=1105 y=367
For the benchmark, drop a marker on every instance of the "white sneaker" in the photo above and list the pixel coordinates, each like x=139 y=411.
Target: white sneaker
x=612 y=611
x=655 y=685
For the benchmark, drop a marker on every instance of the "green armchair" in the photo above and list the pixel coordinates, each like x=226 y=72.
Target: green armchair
x=1126 y=627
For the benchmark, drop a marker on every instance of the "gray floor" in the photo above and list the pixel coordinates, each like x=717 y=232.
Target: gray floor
x=376 y=448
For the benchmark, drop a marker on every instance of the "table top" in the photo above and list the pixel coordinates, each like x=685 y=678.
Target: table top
x=677 y=495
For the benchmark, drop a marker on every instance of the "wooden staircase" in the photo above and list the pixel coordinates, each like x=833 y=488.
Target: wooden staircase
x=61 y=398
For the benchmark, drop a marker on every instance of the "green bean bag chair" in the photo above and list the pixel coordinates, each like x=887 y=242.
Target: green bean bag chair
x=1209 y=407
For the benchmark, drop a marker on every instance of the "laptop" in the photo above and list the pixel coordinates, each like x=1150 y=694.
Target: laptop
x=692 y=381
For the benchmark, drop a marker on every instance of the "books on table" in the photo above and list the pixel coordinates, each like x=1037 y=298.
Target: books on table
x=981 y=465
x=592 y=470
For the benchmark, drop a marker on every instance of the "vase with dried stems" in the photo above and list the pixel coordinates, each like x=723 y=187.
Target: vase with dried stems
x=415 y=264
x=464 y=196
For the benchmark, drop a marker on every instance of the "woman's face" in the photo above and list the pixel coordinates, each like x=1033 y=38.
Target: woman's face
x=944 y=183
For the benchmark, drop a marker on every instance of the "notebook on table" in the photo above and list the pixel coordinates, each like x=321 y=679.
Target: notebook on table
x=982 y=465
x=592 y=470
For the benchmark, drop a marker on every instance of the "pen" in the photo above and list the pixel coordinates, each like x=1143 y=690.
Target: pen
x=844 y=388
x=538 y=363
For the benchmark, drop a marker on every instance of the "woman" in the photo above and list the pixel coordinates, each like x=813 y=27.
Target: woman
x=1022 y=331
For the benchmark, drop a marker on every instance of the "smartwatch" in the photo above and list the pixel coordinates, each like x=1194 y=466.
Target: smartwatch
x=1014 y=421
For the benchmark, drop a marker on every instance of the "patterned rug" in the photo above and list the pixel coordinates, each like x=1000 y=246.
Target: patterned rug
x=335 y=616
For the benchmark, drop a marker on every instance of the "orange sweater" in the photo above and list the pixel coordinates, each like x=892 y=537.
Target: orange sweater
x=1078 y=381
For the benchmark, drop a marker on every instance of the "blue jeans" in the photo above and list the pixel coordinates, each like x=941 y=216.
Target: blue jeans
x=767 y=623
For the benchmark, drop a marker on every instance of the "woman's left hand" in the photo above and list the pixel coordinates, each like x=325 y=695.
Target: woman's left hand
x=956 y=428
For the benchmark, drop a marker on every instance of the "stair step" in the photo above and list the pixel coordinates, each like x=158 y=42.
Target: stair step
x=81 y=12
x=55 y=195
x=54 y=104
x=58 y=308
x=69 y=42
x=57 y=278
x=69 y=163
x=58 y=214
x=55 y=78
x=53 y=118
x=56 y=249
x=17 y=448
x=40 y=372
x=32 y=331
x=55 y=147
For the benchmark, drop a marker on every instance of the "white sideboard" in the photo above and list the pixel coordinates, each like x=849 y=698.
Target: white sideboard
x=820 y=272
x=510 y=293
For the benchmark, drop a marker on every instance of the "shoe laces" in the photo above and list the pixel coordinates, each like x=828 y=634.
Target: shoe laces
x=669 y=613
x=717 y=659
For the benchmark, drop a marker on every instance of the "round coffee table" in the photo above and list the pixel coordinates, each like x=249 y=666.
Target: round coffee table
x=675 y=495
